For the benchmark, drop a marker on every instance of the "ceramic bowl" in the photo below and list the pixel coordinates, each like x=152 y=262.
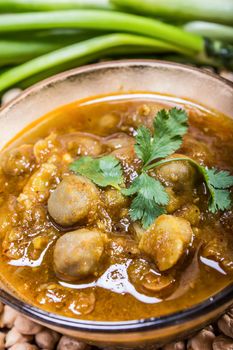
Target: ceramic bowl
x=110 y=77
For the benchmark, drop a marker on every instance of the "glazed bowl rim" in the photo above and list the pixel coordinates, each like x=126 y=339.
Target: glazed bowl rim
x=218 y=300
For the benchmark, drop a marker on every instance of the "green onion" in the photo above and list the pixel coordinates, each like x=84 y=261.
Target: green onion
x=208 y=10
x=50 y=5
x=80 y=50
x=26 y=47
x=102 y=20
x=14 y=52
x=211 y=30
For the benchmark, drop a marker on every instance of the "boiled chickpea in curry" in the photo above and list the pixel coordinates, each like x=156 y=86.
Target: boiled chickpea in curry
x=70 y=243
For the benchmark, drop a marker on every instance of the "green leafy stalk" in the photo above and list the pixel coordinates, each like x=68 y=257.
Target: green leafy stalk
x=209 y=10
x=105 y=171
x=103 y=20
x=50 y=5
x=209 y=30
x=21 y=48
x=194 y=45
x=17 y=51
x=80 y=50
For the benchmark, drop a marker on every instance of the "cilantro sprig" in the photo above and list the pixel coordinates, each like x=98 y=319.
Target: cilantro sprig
x=150 y=197
x=104 y=171
x=169 y=128
x=218 y=183
x=149 y=200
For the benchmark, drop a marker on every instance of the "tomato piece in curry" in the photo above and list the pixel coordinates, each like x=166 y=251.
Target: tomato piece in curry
x=69 y=246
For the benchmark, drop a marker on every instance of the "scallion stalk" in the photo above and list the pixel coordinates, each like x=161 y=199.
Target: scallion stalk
x=220 y=11
x=50 y=5
x=26 y=47
x=15 y=52
x=210 y=30
x=102 y=20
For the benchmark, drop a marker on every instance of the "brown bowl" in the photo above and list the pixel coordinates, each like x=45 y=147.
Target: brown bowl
x=110 y=77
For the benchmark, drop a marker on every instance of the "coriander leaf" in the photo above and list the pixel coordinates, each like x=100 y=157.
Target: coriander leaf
x=218 y=182
x=220 y=179
x=169 y=128
x=143 y=144
x=220 y=200
x=145 y=210
x=150 y=198
x=105 y=171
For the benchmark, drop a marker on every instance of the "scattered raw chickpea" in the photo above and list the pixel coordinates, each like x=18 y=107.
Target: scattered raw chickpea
x=202 y=340
x=47 y=339
x=222 y=343
x=14 y=336
x=225 y=324
x=26 y=326
x=8 y=317
x=67 y=343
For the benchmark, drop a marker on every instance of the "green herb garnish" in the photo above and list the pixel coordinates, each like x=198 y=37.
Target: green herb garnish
x=104 y=171
x=149 y=201
x=150 y=197
x=169 y=128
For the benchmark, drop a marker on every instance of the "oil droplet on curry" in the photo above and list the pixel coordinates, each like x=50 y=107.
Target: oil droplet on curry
x=69 y=246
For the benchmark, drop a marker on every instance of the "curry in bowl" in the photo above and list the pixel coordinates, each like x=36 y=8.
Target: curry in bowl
x=118 y=208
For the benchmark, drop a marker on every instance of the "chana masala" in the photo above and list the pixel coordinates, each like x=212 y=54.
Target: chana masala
x=118 y=207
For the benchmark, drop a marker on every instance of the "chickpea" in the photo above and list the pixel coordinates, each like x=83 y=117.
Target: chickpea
x=115 y=201
x=18 y=161
x=191 y=213
x=179 y=179
x=80 y=144
x=180 y=173
x=78 y=254
x=119 y=140
x=166 y=240
x=75 y=199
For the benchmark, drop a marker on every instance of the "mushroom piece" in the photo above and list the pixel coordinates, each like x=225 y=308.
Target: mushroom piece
x=78 y=254
x=75 y=199
x=166 y=240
